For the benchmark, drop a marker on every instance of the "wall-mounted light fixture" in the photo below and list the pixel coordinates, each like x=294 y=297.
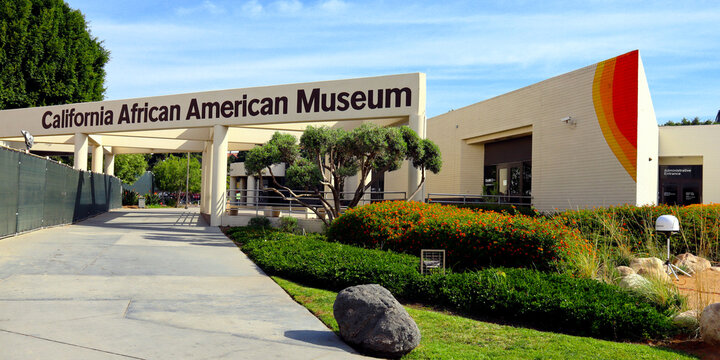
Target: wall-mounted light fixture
x=29 y=139
x=568 y=120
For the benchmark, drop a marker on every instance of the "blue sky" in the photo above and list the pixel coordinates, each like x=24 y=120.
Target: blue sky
x=470 y=50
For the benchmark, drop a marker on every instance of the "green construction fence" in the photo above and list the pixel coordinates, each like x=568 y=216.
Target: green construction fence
x=36 y=193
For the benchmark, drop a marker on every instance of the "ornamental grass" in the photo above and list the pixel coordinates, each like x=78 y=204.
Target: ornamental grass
x=631 y=229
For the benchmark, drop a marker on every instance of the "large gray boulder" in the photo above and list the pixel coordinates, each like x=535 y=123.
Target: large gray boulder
x=624 y=270
x=372 y=321
x=687 y=320
x=650 y=266
x=710 y=324
x=692 y=263
x=635 y=283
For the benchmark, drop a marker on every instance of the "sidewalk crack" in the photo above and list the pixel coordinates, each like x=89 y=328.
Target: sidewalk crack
x=74 y=345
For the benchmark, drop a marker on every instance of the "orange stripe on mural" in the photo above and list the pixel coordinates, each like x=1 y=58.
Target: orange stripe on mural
x=615 y=101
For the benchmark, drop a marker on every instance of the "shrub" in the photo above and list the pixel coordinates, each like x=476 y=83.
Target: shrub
x=129 y=197
x=549 y=301
x=501 y=208
x=289 y=224
x=152 y=199
x=633 y=227
x=471 y=239
x=259 y=222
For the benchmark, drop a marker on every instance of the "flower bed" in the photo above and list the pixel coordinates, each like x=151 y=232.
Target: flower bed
x=472 y=239
x=548 y=301
x=633 y=225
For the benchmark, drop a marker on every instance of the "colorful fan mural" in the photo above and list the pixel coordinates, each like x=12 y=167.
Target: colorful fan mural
x=615 y=96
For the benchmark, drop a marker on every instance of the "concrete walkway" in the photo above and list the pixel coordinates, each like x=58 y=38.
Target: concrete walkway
x=147 y=284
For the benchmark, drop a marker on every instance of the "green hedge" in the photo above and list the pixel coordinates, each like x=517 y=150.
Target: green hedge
x=699 y=226
x=549 y=301
x=471 y=239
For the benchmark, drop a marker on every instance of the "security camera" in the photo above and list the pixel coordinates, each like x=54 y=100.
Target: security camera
x=568 y=120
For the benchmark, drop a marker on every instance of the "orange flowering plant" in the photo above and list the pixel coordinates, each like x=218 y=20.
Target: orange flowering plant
x=471 y=239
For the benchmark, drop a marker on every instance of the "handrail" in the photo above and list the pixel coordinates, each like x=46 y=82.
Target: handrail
x=264 y=200
x=445 y=198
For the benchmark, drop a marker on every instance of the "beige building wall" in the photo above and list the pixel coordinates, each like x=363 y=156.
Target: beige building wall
x=694 y=145
x=647 y=144
x=573 y=165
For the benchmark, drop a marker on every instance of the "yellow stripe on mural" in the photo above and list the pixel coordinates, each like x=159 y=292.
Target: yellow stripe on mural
x=622 y=148
x=603 y=102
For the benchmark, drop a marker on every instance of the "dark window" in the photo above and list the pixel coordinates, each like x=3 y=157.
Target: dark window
x=490 y=182
x=680 y=184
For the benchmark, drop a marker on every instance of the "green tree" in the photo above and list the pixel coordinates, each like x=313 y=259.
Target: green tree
x=47 y=55
x=327 y=157
x=170 y=175
x=695 y=121
x=129 y=167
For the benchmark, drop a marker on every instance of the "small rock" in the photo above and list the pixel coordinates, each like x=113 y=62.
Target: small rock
x=651 y=266
x=636 y=283
x=371 y=320
x=687 y=320
x=710 y=324
x=692 y=263
x=625 y=270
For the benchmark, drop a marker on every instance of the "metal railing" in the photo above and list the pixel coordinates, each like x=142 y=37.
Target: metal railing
x=272 y=204
x=517 y=200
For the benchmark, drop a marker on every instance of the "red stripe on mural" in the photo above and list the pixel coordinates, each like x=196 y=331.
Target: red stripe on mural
x=625 y=96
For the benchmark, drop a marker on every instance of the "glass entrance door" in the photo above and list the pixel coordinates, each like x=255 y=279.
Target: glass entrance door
x=680 y=184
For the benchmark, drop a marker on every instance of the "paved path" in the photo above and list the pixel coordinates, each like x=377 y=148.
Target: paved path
x=147 y=284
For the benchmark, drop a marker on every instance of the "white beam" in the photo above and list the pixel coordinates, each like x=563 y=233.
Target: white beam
x=182 y=134
x=176 y=145
x=51 y=139
x=67 y=148
x=219 y=174
x=290 y=103
x=417 y=123
x=81 y=151
x=109 y=164
x=205 y=174
x=97 y=159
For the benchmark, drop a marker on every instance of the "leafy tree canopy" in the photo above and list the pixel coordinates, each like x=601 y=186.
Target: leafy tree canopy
x=695 y=121
x=170 y=175
x=327 y=157
x=47 y=55
x=129 y=167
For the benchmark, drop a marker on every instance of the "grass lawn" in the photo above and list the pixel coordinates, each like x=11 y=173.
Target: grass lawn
x=446 y=336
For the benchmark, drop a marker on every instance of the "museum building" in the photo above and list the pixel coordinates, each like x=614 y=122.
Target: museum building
x=587 y=138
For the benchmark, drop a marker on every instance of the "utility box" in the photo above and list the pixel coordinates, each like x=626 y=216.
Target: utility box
x=141 y=202
x=432 y=260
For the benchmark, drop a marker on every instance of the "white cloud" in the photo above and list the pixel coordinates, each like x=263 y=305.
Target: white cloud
x=475 y=52
x=252 y=7
x=288 y=6
x=333 y=6
x=206 y=6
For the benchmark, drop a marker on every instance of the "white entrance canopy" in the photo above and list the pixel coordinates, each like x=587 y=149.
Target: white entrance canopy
x=216 y=122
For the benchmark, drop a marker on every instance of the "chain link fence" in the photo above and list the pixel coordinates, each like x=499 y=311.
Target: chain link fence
x=36 y=193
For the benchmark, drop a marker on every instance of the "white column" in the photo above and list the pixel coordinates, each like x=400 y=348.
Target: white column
x=97 y=159
x=81 y=151
x=109 y=168
x=219 y=174
x=417 y=124
x=205 y=192
x=251 y=193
